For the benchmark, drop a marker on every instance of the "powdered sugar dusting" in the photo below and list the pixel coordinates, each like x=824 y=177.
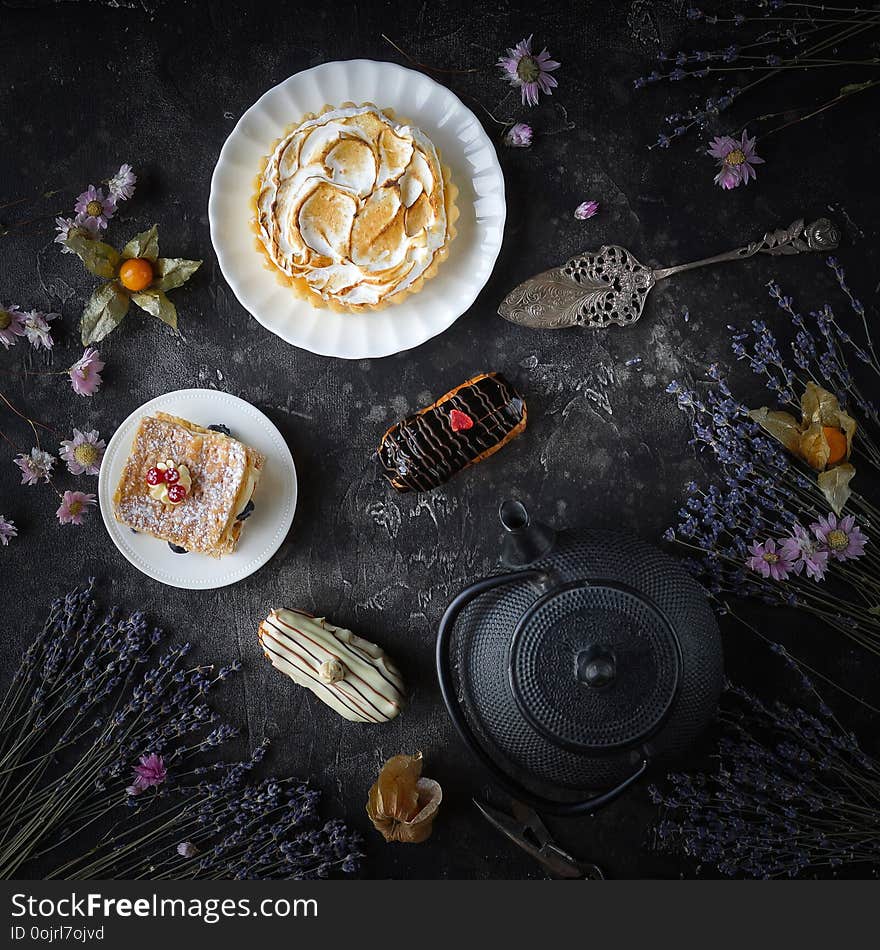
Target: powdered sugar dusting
x=217 y=465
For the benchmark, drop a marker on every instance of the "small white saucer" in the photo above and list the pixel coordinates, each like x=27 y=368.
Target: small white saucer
x=274 y=501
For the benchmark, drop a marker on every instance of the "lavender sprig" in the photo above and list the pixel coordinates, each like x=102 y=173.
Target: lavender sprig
x=761 y=491
x=95 y=692
x=764 y=44
x=793 y=792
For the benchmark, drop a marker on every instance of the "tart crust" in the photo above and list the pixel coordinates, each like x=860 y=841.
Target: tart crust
x=299 y=285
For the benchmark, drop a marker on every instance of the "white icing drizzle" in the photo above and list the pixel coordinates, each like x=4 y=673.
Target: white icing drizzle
x=349 y=674
x=355 y=204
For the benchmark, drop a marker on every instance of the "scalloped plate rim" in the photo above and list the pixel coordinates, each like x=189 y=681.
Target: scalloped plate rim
x=487 y=249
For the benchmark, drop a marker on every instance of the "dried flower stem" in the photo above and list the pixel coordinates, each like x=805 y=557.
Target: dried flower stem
x=504 y=123
x=763 y=490
x=793 y=792
x=828 y=36
x=92 y=694
x=424 y=66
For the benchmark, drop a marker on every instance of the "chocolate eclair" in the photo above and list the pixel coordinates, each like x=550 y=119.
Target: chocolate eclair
x=467 y=425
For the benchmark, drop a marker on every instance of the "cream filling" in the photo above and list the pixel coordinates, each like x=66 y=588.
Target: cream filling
x=160 y=491
x=245 y=494
x=354 y=203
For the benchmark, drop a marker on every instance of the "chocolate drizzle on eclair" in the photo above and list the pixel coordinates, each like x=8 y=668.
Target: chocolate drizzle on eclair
x=468 y=424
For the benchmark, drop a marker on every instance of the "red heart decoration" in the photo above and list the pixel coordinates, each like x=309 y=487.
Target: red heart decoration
x=460 y=421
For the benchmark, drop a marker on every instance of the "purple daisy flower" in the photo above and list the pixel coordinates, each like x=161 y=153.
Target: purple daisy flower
x=74 y=507
x=767 y=561
x=844 y=539
x=121 y=185
x=83 y=453
x=66 y=227
x=35 y=467
x=519 y=136
x=148 y=772
x=7 y=531
x=85 y=374
x=11 y=325
x=36 y=328
x=97 y=207
x=736 y=160
x=530 y=72
x=804 y=554
x=586 y=209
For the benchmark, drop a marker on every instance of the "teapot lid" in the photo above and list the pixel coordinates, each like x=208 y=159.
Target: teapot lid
x=594 y=666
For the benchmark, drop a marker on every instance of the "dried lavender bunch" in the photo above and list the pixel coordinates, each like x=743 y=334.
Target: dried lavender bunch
x=793 y=792
x=762 y=491
x=766 y=40
x=102 y=732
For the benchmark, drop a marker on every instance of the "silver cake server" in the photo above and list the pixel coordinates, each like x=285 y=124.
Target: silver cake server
x=609 y=286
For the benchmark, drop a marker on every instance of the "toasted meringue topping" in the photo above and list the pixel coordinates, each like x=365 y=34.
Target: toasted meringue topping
x=353 y=203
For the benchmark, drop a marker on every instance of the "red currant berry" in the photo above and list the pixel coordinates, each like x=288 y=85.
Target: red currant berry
x=172 y=476
x=154 y=476
x=176 y=494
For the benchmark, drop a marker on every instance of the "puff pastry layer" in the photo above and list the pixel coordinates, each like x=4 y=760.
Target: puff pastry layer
x=224 y=473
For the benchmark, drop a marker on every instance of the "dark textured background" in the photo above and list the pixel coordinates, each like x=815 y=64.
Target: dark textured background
x=89 y=85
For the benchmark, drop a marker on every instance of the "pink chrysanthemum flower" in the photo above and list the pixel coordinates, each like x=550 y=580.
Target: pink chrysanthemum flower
x=7 y=531
x=83 y=453
x=74 y=507
x=530 y=72
x=11 y=325
x=36 y=466
x=519 y=136
x=97 y=207
x=804 y=554
x=36 y=328
x=81 y=224
x=85 y=374
x=736 y=160
x=121 y=185
x=148 y=772
x=767 y=561
x=586 y=209
x=844 y=539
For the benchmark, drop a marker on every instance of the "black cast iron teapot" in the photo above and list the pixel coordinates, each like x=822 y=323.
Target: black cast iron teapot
x=590 y=657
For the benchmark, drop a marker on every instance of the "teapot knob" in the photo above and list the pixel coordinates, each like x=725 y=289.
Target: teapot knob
x=514 y=515
x=524 y=542
x=596 y=667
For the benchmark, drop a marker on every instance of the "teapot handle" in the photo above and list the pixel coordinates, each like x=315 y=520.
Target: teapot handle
x=447 y=690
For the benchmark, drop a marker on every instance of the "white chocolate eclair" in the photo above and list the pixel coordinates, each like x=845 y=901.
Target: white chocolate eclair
x=351 y=675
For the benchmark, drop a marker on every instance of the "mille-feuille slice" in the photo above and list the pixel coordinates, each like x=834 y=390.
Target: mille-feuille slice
x=187 y=485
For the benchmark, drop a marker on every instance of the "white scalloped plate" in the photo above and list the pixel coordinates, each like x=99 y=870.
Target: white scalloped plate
x=275 y=498
x=463 y=145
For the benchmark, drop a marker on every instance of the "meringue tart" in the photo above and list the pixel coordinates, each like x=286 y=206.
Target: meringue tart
x=354 y=208
x=187 y=485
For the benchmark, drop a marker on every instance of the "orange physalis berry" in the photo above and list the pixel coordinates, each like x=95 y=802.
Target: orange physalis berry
x=136 y=274
x=836 y=444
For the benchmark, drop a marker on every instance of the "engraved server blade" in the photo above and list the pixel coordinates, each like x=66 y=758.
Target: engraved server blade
x=609 y=287
x=595 y=289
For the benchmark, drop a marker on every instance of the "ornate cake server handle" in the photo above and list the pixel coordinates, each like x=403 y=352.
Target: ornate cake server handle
x=609 y=286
